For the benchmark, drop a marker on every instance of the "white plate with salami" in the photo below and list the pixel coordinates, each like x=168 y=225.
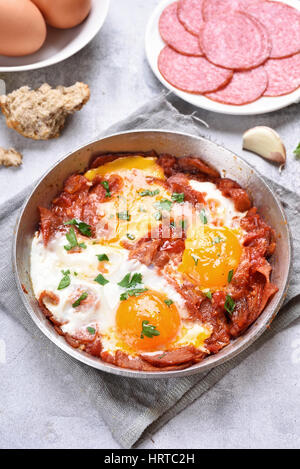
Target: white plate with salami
x=239 y=57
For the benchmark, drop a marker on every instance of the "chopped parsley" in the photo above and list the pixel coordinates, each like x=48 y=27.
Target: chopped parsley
x=297 y=151
x=196 y=258
x=203 y=217
x=148 y=330
x=73 y=243
x=130 y=236
x=217 y=240
x=148 y=193
x=123 y=215
x=178 y=197
x=84 y=228
x=163 y=204
x=105 y=184
x=102 y=257
x=101 y=280
x=130 y=281
x=169 y=302
x=132 y=292
x=229 y=304
x=183 y=224
x=208 y=294
x=82 y=297
x=91 y=330
x=230 y=275
x=65 y=281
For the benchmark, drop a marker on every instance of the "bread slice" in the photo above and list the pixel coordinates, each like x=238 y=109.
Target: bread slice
x=41 y=114
x=10 y=157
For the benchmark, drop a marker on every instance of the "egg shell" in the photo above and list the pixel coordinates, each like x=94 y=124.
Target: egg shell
x=22 y=28
x=64 y=14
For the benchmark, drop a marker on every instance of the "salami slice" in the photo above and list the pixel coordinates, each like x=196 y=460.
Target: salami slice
x=283 y=25
x=175 y=35
x=283 y=75
x=190 y=15
x=191 y=74
x=214 y=8
x=235 y=41
x=244 y=88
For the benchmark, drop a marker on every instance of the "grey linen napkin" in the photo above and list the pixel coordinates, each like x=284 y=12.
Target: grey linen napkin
x=135 y=408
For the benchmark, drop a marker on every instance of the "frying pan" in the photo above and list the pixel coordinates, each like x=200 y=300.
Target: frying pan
x=177 y=144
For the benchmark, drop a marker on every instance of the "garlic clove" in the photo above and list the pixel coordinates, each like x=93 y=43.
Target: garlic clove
x=265 y=142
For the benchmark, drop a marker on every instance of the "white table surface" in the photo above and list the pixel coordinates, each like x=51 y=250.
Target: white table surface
x=257 y=403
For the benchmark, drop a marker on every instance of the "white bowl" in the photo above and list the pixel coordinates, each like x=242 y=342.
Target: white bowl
x=154 y=45
x=60 y=43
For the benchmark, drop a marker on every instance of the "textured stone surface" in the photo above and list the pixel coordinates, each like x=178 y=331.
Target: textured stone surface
x=257 y=403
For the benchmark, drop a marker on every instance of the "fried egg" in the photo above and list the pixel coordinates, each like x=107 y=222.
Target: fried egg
x=133 y=214
x=119 y=321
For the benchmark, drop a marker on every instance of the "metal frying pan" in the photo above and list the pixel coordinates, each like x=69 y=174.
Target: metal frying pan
x=178 y=144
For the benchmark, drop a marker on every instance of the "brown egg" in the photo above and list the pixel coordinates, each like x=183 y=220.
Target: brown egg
x=22 y=28
x=64 y=14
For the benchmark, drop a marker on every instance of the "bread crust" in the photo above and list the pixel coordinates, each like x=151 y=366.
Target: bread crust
x=10 y=157
x=41 y=114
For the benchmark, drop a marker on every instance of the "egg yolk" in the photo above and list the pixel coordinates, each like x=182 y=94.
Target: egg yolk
x=127 y=164
x=209 y=255
x=136 y=315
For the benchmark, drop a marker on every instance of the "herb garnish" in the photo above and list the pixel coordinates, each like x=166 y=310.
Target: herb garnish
x=230 y=275
x=132 y=292
x=163 y=204
x=131 y=281
x=65 y=281
x=149 y=193
x=229 y=304
x=196 y=258
x=178 y=197
x=91 y=330
x=123 y=215
x=102 y=257
x=217 y=240
x=203 y=217
x=106 y=187
x=73 y=243
x=148 y=330
x=208 y=294
x=297 y=151
x=84 y=228
x=169 y=302
x=101 y=280
x=130 y=236
x=82 y=297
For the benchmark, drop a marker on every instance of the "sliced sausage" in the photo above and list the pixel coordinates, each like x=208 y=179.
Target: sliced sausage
x=191 y=74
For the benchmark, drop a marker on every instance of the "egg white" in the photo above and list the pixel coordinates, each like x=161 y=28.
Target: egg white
x=225 y=213
x=47 y=262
